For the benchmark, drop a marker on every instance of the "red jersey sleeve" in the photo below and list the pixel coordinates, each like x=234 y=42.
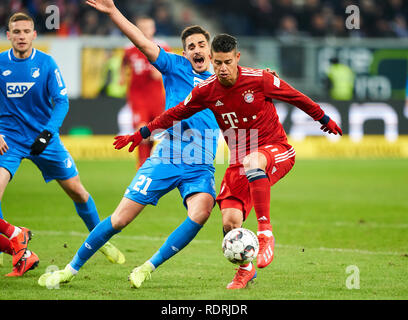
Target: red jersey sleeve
x=190 y=106
x=276 y=88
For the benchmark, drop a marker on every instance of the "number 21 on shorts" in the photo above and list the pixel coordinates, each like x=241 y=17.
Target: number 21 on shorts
x=142 y=184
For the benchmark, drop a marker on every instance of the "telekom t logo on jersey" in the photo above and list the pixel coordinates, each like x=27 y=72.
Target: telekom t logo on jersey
x=230 y=118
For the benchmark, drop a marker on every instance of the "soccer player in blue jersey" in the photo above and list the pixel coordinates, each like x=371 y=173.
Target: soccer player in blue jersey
x=171 y=166
x=33 y=105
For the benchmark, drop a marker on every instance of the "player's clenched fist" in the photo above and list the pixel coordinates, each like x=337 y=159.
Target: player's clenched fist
x=40 y=143
x=328 y=125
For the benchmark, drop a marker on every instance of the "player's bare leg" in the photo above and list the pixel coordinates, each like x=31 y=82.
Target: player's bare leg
x=125 y=213
x=74 y=189
x=199 y=207
x=255 y=165
x=86 y=209
x=233 y=218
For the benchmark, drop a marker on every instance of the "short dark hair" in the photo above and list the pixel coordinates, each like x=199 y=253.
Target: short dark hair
x=224 y=43
x=19 y=16
x=193 y=30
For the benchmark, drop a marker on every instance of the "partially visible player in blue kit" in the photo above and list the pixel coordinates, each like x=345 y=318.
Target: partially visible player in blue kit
x=183 y=159
x=33 y=105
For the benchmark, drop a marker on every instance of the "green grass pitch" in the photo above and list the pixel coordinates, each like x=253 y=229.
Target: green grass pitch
x=327 y=215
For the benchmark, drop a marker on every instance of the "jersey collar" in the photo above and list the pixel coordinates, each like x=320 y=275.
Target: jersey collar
x=12 y=57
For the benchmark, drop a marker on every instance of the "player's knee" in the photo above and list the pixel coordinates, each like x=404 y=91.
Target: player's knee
x=125 y=212
x=200 y=216
x=119 y=221
x=231 y=219
x=199 y=207
x=254 y=160
x=229 y=225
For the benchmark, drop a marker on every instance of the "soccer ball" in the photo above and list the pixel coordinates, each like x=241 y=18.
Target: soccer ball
x=240 y=246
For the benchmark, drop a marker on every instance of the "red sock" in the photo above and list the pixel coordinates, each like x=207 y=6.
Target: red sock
x=260 y=190
x=6 y=228
x=144 y=152
x=5 y=245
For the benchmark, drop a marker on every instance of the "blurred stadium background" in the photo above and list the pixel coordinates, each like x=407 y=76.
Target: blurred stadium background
x=297 y=38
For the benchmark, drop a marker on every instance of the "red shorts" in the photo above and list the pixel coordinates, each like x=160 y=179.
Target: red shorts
x=234 y=191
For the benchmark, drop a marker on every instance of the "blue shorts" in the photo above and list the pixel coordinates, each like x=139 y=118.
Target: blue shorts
x=154 y=179
x=54 y=162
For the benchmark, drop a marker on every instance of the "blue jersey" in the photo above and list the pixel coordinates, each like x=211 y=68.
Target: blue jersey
x=194 y=140
x=33 y=96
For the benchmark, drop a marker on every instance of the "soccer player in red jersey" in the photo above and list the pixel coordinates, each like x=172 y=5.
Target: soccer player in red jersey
x=15 y=244
x=242 y=102
x=145 y=95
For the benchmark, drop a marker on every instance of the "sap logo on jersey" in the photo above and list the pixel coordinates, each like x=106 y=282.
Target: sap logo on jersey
x=18 y=89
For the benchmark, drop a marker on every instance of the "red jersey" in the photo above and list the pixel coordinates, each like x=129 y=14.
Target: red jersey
x=143 y=87
x=245 y=111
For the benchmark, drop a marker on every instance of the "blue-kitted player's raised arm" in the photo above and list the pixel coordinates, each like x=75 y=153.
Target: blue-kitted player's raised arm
x=58 y=97
x=147 y=47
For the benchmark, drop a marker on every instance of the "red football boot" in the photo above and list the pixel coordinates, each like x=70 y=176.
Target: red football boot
x=242 y=278
x=19 y=244
x=25 y=264
x=266 y=250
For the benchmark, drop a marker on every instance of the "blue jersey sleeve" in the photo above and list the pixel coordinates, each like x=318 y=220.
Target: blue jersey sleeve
x=58 y=93
x=167 y=62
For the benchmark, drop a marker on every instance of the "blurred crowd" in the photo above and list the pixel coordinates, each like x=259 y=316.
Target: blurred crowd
x=77 y=18
x=279 y=18
x=314 y=18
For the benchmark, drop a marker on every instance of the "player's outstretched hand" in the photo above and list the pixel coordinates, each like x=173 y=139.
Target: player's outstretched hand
x=41 y=142
x=123 y=141
x=328 y=125
x=105 y=6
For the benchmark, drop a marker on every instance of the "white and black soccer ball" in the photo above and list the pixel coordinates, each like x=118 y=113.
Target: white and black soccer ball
x=240 y=246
